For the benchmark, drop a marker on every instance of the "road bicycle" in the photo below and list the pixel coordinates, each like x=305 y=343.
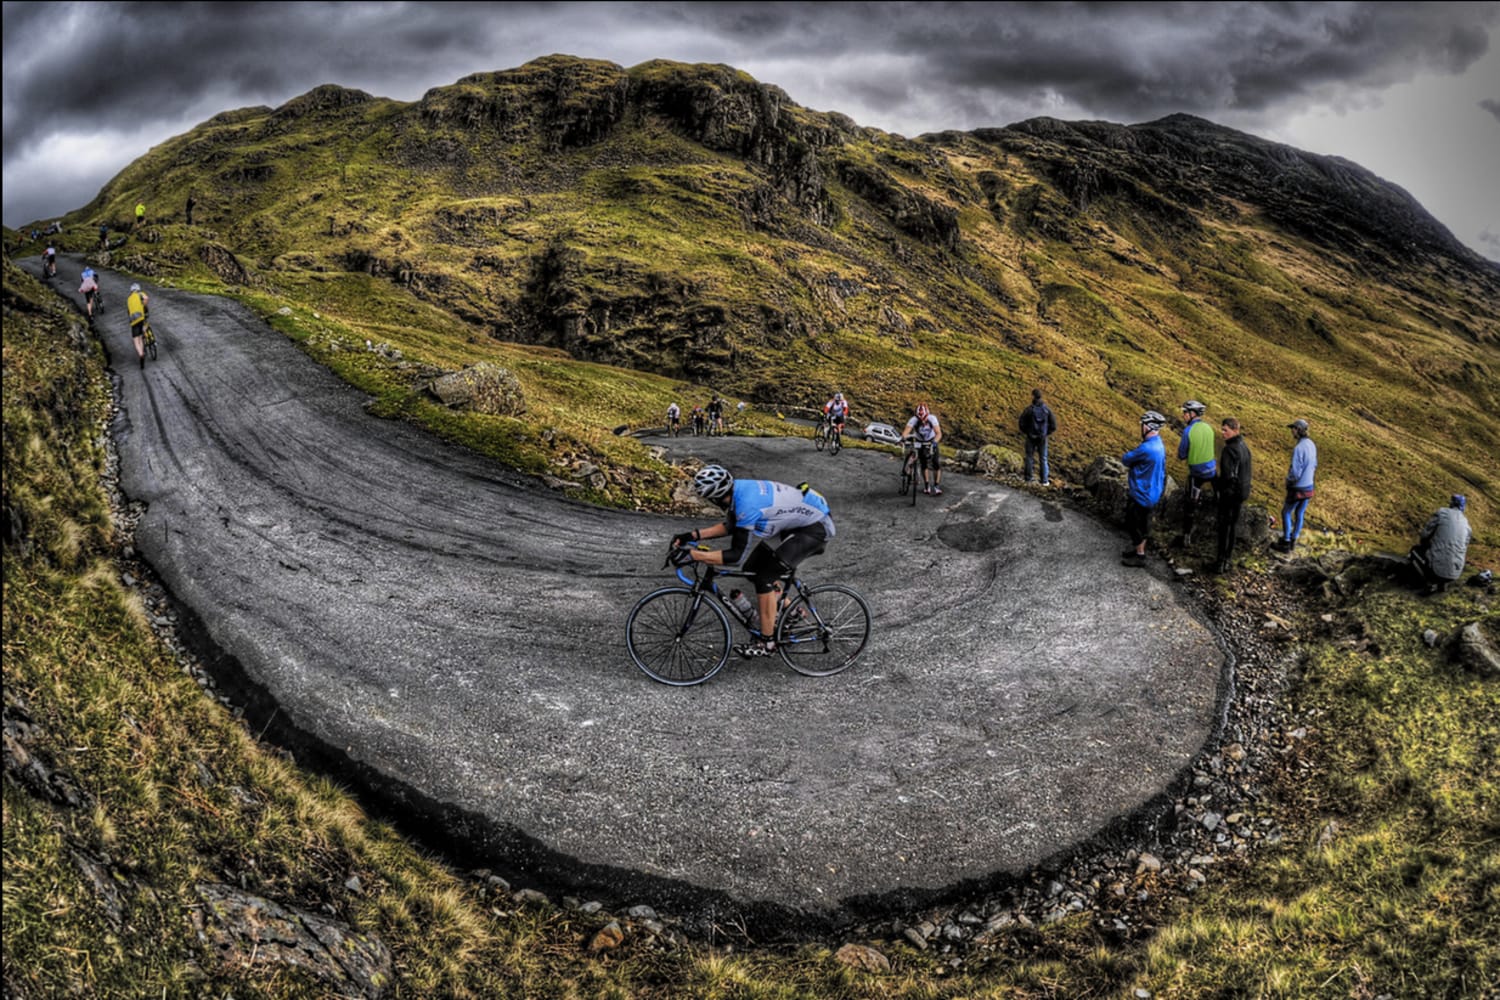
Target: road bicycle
x=915 y=455
x=681 y=635
x=827 y=435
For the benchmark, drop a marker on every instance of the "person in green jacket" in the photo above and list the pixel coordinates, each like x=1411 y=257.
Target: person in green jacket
x=1197 y=449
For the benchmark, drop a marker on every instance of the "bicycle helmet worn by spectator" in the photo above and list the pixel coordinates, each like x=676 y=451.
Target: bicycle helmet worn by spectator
x=1193 y=406
x=1153 y=421
x=1458 y=500
x=713 y=482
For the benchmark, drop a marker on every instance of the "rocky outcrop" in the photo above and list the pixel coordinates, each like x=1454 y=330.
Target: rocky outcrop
x=247 y=931
x=484 y=387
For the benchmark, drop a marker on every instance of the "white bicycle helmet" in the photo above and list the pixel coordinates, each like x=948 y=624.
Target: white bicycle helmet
x=713 y=482
x=1193 y=406
x=135 y=288
x=1153 y=421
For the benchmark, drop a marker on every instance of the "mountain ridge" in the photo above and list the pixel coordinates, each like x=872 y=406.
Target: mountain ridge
x=690 y=221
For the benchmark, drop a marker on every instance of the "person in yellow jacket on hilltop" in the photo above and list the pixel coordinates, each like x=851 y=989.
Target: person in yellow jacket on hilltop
x=138 y=305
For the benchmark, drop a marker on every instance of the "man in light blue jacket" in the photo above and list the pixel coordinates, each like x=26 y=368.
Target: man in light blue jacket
x=1299 y=486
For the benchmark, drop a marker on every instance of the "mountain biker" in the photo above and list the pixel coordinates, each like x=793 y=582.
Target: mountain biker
x=1147 y=466
x=674 y=419
x=792 y=522
x=138 y=305
x=1197 y=449
x=837 y=411
x=89 y=289
x=716 y=414
x=924 y=428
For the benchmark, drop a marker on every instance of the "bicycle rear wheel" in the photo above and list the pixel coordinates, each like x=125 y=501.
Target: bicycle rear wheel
x=824 y=630
x=676 y=638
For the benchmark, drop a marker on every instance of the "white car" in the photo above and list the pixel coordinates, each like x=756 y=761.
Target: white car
x=884 y=433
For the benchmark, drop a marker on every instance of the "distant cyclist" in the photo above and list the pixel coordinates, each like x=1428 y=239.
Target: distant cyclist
x=674 y=419
x=924 y=429
x=793 y=523
x=716 y=415
x=89 y=289
x=49 y=262
x=837 y=411
x=138 y=305
x=700 y=421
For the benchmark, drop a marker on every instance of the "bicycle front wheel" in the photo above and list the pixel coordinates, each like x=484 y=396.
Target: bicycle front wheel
x=677 y=636
x=835 y=441
x=151 y=346
x=824 y=630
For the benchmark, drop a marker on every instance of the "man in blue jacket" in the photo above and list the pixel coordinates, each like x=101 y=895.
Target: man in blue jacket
x=1147 y=466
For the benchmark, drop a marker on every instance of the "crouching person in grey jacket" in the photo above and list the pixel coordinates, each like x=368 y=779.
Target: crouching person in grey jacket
x=1444 y=544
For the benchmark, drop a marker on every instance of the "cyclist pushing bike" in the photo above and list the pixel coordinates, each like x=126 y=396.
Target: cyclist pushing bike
x=791 y=522
x=138 y=305
x=837 y=412
x=924 y=429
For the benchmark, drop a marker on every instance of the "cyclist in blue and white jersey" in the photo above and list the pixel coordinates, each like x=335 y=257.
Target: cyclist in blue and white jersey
x=924 y=428
x=792 y=523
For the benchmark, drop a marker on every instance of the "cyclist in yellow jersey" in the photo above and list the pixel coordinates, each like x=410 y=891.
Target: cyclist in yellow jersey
x=138 y=305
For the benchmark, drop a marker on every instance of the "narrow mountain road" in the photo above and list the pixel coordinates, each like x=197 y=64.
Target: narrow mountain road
x=455 y=634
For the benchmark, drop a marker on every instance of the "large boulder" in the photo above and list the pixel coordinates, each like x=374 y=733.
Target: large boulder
x=1475 y=651
x=996 y=460
x=1108 y=482
x=483 y=388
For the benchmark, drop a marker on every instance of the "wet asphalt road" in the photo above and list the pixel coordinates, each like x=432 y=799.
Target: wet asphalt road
x=457 y=632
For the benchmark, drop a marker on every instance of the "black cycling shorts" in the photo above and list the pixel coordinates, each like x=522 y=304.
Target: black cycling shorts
x=767 y=565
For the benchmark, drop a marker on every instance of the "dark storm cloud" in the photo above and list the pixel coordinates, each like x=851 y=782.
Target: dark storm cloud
x=88 y=86
x=1493 y=107
x=1128 y=61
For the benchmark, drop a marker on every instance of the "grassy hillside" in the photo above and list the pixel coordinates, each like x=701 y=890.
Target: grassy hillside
x=133 y=797
x=691 y=223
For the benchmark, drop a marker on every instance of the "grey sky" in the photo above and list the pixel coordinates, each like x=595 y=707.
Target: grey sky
x=1410 y=91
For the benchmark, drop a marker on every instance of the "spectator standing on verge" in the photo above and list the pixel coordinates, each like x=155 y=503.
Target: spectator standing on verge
x=191 y=201
x=1197 y=449
x=1299 y=486
x=1147 y=466
x=1444 y=545
x=140 y=214
x=1231 y=490
x=1037 y=423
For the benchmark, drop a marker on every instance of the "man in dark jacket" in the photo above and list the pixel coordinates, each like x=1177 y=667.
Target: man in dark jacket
x=1231 y=490
x=1444 y=545
x=1037 y=424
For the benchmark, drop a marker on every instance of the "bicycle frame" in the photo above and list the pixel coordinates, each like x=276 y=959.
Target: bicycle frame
x=706 y=583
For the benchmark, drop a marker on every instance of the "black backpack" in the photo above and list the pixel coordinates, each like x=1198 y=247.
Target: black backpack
x=1037 y=422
